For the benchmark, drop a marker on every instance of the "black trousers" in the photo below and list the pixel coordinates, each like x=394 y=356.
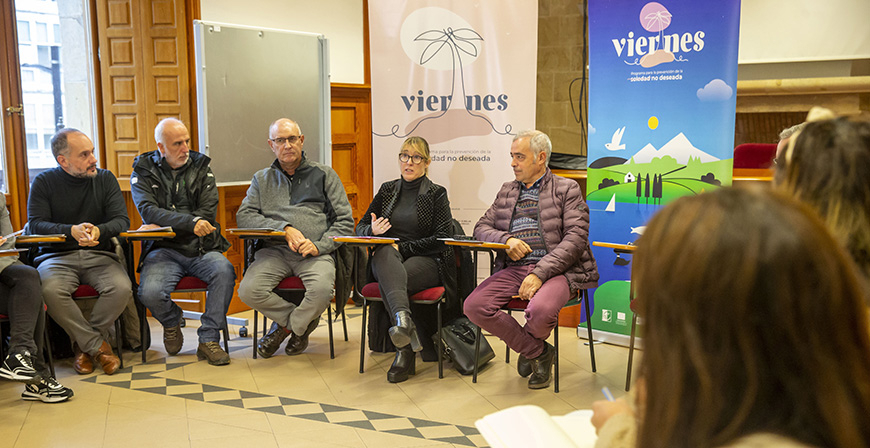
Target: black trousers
x=21 y=300
x=398 y=279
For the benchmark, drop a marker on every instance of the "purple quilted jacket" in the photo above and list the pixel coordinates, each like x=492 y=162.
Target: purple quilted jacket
x=563 y=218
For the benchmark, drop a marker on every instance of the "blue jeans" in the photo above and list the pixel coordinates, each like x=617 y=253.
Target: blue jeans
x=161 y=271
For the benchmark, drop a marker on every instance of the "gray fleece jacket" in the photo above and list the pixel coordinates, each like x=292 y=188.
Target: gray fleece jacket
x=313 y=201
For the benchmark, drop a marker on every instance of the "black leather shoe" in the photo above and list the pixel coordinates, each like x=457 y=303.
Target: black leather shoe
x=542 y=367
x=268 y=345
x=298 y=344
x=403 y=366
x=405 y=332
x=524 y=366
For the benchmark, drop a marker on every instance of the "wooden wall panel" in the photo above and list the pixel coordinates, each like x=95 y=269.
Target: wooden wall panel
x=352 y=144
x=144 y=75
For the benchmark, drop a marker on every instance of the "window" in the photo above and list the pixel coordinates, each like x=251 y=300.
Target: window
x=23 y=31
x=59 y=50
x=41 y=32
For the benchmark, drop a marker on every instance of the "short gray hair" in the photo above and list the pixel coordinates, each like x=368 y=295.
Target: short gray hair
x=158 y=131
x=538 y=141
x=788 y=132
x=59 y=143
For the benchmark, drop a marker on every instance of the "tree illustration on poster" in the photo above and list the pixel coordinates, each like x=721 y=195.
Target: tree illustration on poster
x=662 y=77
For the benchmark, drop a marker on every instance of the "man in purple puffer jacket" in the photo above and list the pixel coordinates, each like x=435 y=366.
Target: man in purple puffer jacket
x=545 y=221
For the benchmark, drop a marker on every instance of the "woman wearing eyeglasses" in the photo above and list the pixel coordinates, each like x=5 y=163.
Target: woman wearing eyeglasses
x=417 y=212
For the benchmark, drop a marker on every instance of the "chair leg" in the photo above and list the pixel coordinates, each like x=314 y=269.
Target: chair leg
x=477 y=337
x=119 y=338
x=47 y=348
x=329 y=326
x=362 y=338
x=630 y=352
x=254 y=337
x=439 y=348
x=344 y=322
x=589 y=329
x=507 y=350
x=556 y=346
x=143 y=329
x=226 y=332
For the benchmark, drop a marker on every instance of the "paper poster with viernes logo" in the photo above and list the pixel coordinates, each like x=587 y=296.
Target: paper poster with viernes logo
x=461 y=75
x=662 y=82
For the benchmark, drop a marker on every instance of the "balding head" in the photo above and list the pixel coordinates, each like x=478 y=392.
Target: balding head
x=286 y=141
x=173 y=141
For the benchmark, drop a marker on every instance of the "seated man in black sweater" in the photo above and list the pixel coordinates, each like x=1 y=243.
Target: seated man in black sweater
x=84 y=203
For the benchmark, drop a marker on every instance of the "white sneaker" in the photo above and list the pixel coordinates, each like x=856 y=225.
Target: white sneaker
x=47 y=391
x=19 y=367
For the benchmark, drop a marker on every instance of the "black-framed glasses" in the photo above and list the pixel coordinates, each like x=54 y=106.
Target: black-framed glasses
x=416 y=158
x=291 y=140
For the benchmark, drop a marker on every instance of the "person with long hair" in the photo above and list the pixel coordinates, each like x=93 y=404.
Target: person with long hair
x=416 y=211
x=756 y=333
x=828 y=167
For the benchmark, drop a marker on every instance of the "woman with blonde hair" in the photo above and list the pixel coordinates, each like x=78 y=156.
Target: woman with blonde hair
x=416 y=211
x=756 y=333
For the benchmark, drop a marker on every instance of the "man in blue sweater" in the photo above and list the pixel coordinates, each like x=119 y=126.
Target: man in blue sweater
x=306 y=201
x=83 y=202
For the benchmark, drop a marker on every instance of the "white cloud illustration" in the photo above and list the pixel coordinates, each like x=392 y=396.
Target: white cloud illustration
x=591 y=128
x=715 y=90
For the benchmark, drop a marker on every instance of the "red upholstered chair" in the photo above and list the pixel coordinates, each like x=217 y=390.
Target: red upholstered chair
x=520 y=306
x=754 y=155
x=88 y=292
x=432 y=296
x=194 y=284
x=294 y=285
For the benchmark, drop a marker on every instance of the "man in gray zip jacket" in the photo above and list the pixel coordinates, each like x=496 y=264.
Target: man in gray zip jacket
x=175 y=187
x=307 y=201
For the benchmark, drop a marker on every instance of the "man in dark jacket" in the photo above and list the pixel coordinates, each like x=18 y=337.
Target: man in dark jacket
x=83 y=202
x=174 y=187
x=545 y=221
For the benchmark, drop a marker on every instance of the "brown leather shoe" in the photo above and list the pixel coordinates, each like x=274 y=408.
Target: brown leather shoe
x=107 y=359
x=82 y=362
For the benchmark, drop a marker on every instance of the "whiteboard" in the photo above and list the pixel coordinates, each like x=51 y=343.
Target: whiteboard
x=248 y=77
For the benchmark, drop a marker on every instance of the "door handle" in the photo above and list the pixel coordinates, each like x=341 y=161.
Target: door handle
x=15 y=110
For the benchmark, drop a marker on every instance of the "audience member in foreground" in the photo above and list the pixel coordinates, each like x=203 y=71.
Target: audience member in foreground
x=21 y=302
x=417 y=212
x=756 y=333
x=827 y=166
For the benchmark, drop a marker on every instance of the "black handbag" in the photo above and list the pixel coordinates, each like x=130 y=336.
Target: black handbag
x=458 y=339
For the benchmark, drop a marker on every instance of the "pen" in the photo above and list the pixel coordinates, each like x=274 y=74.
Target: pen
x=14 y=234
x=606 y=391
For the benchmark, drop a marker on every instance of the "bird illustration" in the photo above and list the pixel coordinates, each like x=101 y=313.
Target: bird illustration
x=614 y=141
x=638 y=230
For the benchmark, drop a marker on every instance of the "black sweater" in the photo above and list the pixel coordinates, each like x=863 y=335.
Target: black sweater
x=58 y=201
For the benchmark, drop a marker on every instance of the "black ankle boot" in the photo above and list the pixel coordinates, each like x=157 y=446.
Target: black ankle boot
x=403 y=365
x=405 y=332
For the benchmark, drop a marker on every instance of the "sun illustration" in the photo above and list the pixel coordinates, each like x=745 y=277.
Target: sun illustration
x=653 y=122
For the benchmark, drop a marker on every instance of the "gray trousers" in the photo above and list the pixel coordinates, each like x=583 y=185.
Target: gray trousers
x=273 y=264
x=62 y=274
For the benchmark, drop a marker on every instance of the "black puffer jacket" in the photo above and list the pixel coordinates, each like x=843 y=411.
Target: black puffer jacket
x=152 y=188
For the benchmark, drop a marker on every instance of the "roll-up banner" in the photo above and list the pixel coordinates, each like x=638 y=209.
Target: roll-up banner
x=662 y=81
x=461 y=75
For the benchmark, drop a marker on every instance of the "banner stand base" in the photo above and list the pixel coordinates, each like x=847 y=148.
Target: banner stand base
x=608 y=338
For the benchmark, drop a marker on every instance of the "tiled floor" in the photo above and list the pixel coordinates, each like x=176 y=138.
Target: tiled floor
x=307 y=400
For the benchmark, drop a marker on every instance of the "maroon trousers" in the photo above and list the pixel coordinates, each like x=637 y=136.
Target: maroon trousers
x=483 y=307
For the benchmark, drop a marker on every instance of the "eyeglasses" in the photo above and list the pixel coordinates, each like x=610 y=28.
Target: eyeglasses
x=416 y=158
x=291 y=139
